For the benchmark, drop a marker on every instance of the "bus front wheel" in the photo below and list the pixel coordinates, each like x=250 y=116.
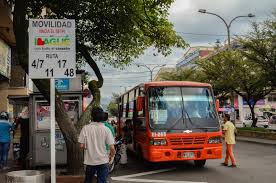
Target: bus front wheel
x=199 y=163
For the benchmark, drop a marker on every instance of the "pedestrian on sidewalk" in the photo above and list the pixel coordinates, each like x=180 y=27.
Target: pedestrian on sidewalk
x=5 y=139
x=229 y=133
x=93 y=139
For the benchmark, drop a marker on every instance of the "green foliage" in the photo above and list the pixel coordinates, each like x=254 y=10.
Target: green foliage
x=113 y=105
x=198 y=74
x=260 y=46
x=229 y=71
x=112 y=109
x=86 y=78
x=186 y=74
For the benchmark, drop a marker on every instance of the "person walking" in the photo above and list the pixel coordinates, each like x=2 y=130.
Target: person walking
x=229 y=133
x=93 y=139
x=110 y=127
x=5 y=139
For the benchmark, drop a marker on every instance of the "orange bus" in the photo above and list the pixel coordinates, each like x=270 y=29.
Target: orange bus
x=171 y=121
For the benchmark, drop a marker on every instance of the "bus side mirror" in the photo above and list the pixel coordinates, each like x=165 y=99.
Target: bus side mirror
x=140 y=103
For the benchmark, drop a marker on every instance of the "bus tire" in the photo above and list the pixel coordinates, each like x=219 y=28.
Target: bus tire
x=199 y=163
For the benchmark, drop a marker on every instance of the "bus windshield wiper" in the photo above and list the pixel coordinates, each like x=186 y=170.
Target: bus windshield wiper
x=205 y=128
x=209 y=127
x=174 y=123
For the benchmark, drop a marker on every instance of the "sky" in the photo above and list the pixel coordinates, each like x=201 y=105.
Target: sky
x=197 y=29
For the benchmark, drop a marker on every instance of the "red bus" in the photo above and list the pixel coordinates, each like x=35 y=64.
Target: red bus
x=171 y=121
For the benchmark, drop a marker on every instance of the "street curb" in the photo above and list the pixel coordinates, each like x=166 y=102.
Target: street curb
x=256 y=142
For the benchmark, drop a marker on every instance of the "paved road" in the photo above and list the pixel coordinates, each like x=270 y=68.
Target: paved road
x=257 y=164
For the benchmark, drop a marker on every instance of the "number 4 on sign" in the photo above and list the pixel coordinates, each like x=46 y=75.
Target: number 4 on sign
x=37 y=63
x=69 y=72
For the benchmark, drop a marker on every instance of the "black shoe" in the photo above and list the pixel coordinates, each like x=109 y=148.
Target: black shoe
x=224 y=164
x=233 y=166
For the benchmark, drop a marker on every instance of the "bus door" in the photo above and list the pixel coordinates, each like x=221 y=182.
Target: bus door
x=140 y=127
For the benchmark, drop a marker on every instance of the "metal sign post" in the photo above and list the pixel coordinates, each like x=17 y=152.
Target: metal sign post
x=52 y=54
x=53 y=130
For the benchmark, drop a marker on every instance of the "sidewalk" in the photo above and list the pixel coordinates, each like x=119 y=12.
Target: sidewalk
x=256 y=140
x=12 y=167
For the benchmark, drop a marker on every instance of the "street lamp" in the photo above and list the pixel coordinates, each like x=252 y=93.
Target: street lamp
x=228 y=25
x=125 y=87
x=150 y=69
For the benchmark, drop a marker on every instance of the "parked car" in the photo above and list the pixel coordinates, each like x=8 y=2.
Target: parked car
x=261 y=122
x=272 y=123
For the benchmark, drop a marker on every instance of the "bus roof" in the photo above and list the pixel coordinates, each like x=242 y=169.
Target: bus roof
x=169 y=83
x=176 y=83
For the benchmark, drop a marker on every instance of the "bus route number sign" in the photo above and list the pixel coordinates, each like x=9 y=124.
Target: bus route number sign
x=52 y=48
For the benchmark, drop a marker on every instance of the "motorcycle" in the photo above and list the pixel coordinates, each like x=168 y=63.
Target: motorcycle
x=116 y=159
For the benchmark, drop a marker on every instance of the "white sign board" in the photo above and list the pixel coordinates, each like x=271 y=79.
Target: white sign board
x=52 y=48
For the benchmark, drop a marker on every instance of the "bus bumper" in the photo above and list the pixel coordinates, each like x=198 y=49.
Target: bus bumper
x=161 y=155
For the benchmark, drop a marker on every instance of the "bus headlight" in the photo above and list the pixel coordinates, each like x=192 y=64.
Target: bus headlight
x=215 y=140
x=158 y=142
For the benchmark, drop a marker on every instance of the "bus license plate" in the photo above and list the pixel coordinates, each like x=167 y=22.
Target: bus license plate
x=188 y=155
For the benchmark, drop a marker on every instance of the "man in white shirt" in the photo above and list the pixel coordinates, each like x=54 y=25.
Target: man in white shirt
x=93 y=139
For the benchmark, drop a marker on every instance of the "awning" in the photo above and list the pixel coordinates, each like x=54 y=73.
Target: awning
x=19 y=99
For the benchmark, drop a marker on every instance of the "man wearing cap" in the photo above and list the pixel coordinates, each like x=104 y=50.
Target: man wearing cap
x=93 y=139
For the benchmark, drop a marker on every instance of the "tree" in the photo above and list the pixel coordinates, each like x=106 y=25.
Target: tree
x=110 y=31
x=113 y=105
x=234 y=72
x=182 y=74
x=260 y=46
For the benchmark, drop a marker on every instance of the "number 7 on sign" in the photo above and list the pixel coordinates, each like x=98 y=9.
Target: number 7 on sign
x=37 y=63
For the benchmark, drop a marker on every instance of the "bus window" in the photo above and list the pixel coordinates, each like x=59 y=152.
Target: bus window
x=131 y=104
x=181 y=108
x=141 y=113
x=125 y=105
x=137 y=93
x=140 y=123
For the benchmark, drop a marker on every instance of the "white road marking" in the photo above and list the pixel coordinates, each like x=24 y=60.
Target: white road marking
x=151 y=180
x=146 y=173
x=130 y=178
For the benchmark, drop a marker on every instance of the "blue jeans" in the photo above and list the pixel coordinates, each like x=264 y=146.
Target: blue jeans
x=102 y=173
x=4 y=151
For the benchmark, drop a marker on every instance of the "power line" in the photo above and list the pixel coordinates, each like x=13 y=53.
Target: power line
x=206 y=34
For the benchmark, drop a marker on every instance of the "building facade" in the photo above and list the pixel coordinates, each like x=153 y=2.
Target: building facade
x=14 y=82
x=193 y=54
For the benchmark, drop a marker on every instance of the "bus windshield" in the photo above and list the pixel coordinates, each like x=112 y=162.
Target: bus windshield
x=181 y=108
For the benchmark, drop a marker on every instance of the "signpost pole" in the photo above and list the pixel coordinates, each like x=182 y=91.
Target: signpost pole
x=53 y=131
x=52 y=54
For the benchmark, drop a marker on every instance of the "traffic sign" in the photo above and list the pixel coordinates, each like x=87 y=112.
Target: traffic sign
x=52 y=48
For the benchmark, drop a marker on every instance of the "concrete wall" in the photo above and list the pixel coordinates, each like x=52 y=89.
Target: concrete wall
x=3 y=95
